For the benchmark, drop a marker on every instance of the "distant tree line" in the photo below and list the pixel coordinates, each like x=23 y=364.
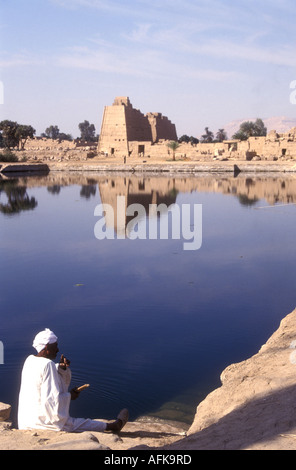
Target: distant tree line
x=185 y=138
x=87 y=132
x=53 y=132
x=14 y=135
x=247 y=129
x=208 y=137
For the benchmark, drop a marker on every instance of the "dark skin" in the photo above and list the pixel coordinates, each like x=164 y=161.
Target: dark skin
x=50 y=352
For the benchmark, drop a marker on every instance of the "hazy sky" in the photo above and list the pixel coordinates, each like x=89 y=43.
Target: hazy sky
x=199 y=62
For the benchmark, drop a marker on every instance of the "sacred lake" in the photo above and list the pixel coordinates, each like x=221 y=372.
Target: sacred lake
x=148 y=324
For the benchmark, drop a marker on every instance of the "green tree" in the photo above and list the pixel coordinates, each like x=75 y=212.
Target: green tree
x=52 y=132
x=193 y=140
x=87 y=131
x=23 y=133
x=173 y=145
x=8 y=156
x=63 y=136
x=250 y=129
x=221 y=135
x=14 y=134
x=184 y=138
x=208 y=137
x=9 y=137
x=187 y=139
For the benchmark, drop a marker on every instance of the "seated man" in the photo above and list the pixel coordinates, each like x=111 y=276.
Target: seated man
x=44 y=399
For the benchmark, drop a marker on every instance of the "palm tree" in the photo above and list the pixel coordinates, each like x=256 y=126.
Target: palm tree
x=173 y=145
x=221 y=135
x=208 y=137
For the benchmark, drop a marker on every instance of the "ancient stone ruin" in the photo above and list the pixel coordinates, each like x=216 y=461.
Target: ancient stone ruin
x=129 y=135
x=126 y=131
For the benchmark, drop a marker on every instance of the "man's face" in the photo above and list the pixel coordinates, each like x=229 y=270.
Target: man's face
x=52 y=350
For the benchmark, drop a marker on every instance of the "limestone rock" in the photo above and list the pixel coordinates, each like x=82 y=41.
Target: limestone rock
x=24 y=167
x=255 y=406
x=4 y=411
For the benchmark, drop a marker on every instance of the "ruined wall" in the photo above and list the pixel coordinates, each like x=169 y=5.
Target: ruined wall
x=137 y=126
x=161 y=127
x=274 y=145
x=113 y=130
x=44 y=143
x=126 y=130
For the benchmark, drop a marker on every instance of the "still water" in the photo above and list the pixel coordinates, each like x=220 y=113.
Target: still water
x=149 y=325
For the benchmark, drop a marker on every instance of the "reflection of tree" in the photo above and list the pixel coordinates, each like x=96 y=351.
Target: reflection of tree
x=246 y=201
x=55 y=189
x=243 y=198
x=88 y=190
x=18 y=199
x=173 y=193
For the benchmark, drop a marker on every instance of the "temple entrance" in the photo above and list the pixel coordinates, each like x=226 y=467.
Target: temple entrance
x=141 y=150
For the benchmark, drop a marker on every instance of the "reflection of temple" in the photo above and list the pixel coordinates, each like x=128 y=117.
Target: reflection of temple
x=144 y=191
x=148 y=189
x=156 y=190
x=252 y=188
x=273 y=189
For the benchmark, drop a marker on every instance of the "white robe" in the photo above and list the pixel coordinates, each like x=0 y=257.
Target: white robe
x=44 y=400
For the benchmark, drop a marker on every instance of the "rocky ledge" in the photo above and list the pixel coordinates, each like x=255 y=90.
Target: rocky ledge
x=254 y=409
x=27 y=168
x=173 y=167
x=155 y=167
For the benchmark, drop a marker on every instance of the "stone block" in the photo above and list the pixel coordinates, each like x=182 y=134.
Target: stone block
x=4 y=411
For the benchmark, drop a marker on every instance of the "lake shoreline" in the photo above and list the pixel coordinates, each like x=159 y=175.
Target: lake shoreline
x=157 y=167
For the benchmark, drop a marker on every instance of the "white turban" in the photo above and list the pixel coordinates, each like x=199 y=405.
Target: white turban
x=43 y=338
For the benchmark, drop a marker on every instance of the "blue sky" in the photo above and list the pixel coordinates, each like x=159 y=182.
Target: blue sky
x=199 y=62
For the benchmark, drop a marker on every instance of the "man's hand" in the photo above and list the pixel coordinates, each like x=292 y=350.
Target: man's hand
x=74 y=393
x=64 y=363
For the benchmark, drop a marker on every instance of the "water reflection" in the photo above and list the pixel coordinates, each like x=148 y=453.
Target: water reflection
x=54 y=189
x=166 y=311
x=147 y=189
x=17 y=197
x=159 y=189
x=88 y=190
